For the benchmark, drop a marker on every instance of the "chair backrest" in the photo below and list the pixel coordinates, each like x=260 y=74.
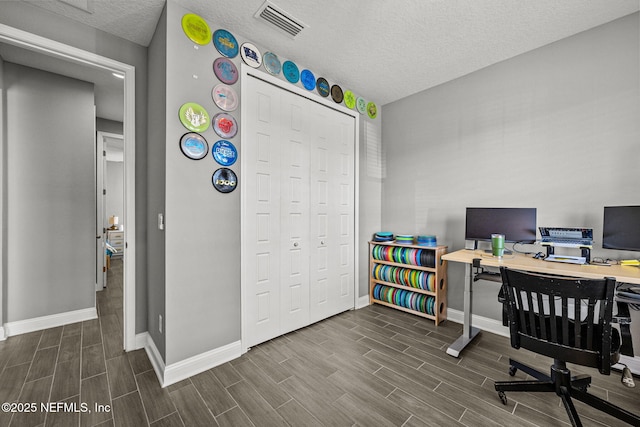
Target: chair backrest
x=542 y=310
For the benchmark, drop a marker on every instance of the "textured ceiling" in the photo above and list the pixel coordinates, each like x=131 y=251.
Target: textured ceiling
x=380 y=49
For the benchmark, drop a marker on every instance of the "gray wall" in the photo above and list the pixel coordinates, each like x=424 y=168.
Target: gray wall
x=46 y=24
x=504 y=136
x=50 y=193
x=202 y=225
x=156 y=180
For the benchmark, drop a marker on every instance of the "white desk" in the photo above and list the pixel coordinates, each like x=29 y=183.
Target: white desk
x=622 y=273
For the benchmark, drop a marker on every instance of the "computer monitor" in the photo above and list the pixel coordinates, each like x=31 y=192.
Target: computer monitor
x=517 y=224
x=621 y=228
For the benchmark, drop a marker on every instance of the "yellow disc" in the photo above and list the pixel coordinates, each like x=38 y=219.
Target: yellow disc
x=349 y=99
x=196 y=29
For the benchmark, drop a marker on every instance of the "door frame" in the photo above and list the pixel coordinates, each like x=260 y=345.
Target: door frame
x=33 y=42
x=246 y=73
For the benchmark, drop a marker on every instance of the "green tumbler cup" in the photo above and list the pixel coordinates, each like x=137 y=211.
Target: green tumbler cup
x=497 y=245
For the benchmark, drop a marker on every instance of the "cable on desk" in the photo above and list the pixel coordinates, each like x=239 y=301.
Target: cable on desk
x=521 y=252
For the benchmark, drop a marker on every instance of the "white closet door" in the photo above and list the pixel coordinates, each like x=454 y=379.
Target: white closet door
x=261 y=127
x=332 y=213
x=298 y=224
x=294 y=222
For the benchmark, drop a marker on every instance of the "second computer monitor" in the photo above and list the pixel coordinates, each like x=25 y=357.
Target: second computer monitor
x=621 y=228
x=517 y=224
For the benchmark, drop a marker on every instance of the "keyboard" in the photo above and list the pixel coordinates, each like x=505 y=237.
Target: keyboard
x=568 y=243
x=566 y=258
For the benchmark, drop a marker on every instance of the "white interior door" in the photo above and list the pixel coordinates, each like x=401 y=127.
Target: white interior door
x=297 y=227
x=332 y=214
x=294 y=222
x=261 y=195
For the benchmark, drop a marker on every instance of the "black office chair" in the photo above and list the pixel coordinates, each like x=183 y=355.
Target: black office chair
x=549 y=329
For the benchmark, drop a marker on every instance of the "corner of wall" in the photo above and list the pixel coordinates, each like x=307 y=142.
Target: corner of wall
x=156 y=188
x=3 y=198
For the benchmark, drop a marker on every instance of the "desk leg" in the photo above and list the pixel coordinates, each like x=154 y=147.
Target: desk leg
x=468 y=331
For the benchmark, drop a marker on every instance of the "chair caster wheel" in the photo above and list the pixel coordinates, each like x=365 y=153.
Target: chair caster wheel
x=512 y=370
x=503 y=397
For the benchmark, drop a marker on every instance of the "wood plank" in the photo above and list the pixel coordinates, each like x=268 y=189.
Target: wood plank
x=121 y=379
x=191 y=408
x=255 y=406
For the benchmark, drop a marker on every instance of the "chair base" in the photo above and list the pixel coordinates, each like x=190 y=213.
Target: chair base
x=564 y=385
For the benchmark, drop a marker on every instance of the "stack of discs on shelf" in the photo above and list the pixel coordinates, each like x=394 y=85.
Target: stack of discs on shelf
x=404 y=239
x=426 y=240
x=383 y=236
x=407 y=299
x=413 y=256
x=405 y=277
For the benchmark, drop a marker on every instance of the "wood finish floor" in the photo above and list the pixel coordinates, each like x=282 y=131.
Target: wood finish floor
x=371 y=367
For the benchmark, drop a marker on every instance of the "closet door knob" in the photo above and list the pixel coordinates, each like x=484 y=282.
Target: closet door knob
x=295 y=244
x=322 y=242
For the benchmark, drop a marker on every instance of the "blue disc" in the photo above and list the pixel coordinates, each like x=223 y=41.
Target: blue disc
x=224 y=152
x=308 y=79
x=194 y=146
x=226 y=44
x=290 y=71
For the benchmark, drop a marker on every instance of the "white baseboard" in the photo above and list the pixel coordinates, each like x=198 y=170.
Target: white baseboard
x=154 y=357
x=3 y=336
x=141 y=340
x=184 y=369
x=194 y=365
x=363 y=301
x=51 y=321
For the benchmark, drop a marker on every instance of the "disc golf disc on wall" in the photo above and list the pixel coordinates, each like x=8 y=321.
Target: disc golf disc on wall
x=336 y=94
x=196 y=29
x=225 y=125
x=224 y=180
x=308 y=79
x=225 y=97
x=194 y=146
x=349 y=99
x=225 y=43
x=322 y=86
x=291 y=72
x=194 y=117
x=224 y=152
x=225 y=70
x=250 y=55
x=271 y=63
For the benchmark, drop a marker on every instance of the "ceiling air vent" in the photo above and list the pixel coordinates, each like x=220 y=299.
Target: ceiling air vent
x=276 y=17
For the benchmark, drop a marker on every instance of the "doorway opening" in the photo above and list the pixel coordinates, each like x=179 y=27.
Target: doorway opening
x=59 y=51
